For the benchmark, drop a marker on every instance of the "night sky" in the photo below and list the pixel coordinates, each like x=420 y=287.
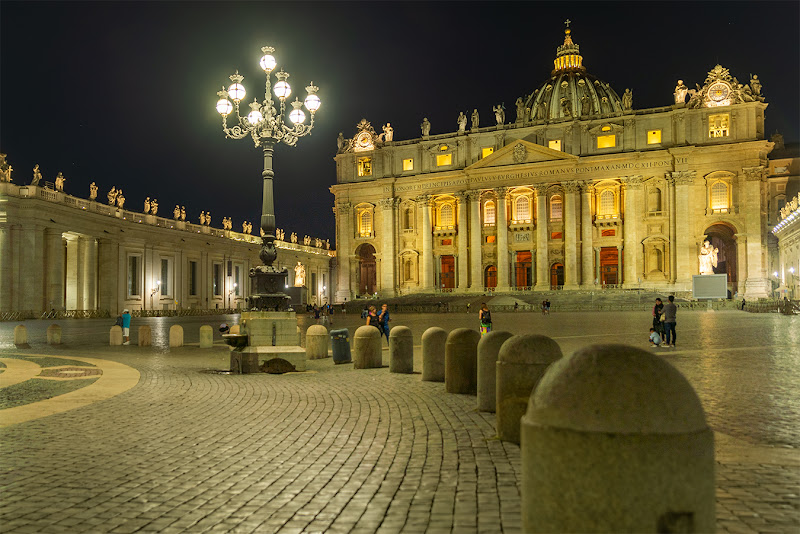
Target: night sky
x=123 y=94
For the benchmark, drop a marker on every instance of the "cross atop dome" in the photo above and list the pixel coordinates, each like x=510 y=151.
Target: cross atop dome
x=568 y=56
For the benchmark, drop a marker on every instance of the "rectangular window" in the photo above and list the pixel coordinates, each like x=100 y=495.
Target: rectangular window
x=444 y=159
x=490 y=239
x=216 y=280
x=408 y=164
x=719 y=125
x=193 y=278
x=555 y=144
x=556 y=235
x=165 y=276
x=486 y=151
x=606 y=141
x=365 y=166
x=313 y=283
x=237 y=280
x=134 y=270
x=653 y=137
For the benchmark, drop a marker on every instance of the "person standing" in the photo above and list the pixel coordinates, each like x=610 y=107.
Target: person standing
x=383 y=320
x=670 y=319
x=485 y=317
x=658 y=309
x=126 y=326
x=372 y=318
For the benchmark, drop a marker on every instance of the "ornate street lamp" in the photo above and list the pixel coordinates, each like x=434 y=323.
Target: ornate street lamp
x=265 y=124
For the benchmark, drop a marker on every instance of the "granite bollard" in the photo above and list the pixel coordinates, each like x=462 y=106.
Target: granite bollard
x=54 y=334
x=176 y=335
x=433 y=343
x=367 y=348
x=488 y=349
x=615 y=440
x=115 y=336
x=20 y=335
x=401 y=350
x=461 y=361
x=316 y=342
x=206 y=337
x=145 y=336
x=521 y=363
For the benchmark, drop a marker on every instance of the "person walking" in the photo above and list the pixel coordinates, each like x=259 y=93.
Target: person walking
x=670 y=319
x=485 y=318
x=383 y=320
x=126 y=326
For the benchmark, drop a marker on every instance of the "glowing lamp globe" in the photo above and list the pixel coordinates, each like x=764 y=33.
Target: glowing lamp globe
x=313 y=103
x=267 y=62
x=282 y=90
x=297 y=116
x=224 y=106
x=236 y=91
x=254 y=117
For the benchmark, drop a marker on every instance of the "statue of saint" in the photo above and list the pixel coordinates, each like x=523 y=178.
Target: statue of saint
x=112 y=196
x=153 y=207
x=340 y=141
x=60 y=182
x=680 y=92
x=388 y=132
x=475 y=119
x=541 y=111
x=566 y=107
x=147 y=205
x=183 y=213
x=120 y=199
x=244 y=227
x=36 y=175
x=5 y=169
x=462 y=122
x=328 y=244
x=92 y=191
x=520 y=109
x=499 y=114
x=176 y=213
x=627 y=100
x=586 y=105
x=755 y=85
x=299 y=275
x=708 y=258
x=294 y=237
x=426 y=127
x=208 y=219
x=203 y=217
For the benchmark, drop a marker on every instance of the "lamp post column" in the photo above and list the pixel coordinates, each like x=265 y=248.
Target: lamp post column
x=268 y=253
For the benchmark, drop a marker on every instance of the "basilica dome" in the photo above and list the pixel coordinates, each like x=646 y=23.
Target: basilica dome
x=572 y=93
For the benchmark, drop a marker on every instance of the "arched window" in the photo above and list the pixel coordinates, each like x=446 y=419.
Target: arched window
x=654 y=199
x=365 y=223
x=408 y=270
x=606 y=207
x=522 y=209
x=446 y=215
x=489 y=213
x=719 y=196
x=556 y=208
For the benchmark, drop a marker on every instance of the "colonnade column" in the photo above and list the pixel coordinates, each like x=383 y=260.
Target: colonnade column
x=631 y=246
x=502 y=240
x=542 y=263
x=110 y=281
x=89 y=273
x=344 y=216
x=5 y=269
x=683 y=228
x=424 y=202
x=31 y=270
x=388 y=253
x=55 y=269
x=757 y=284
x=570 y=236
x=463 y=242
x=476 y=241
x=587 y=250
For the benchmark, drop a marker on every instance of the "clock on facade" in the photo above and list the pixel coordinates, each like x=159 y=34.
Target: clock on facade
x=719 y=93
x=364 y=141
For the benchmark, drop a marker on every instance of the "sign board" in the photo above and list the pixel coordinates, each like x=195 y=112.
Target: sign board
x=710 y=286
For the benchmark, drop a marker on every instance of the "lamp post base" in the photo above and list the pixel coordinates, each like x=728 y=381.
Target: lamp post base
x=267 y=284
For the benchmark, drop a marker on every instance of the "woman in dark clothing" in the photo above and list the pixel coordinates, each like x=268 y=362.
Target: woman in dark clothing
x=485 y=317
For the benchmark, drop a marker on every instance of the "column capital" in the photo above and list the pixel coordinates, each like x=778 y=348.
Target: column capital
x=684 y=177
x=344 y=207
x=425 y=200
x=753 y=174
x=571 y=186
x=541 y=189
x=588 y=188
x=632 y=182
x=389 y=202
x=461 y=196
x=501 y=192
x=474 y=195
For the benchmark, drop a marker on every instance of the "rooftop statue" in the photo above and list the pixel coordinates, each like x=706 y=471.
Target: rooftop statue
x=475 y=119
x=176 y=213
x=755 y=85
x=499 y=114
x=627 y=100
x=708 y=258
x=36 y=175
x=340 y=141
x=388 y=132
x=520 y=109
x=680 y=92
x=244 y=227
x=541 y=111
x=203 y=217
x=60 y=182
x=426 y=127
x=294 y=237
x=208 y=219
x=112 y=196
x=5 y=169
x=462 y=122
x=154 y=206
x=147 y=205
x=299 y=275
x=120 y=199
x=183 y=213
x=92 y=191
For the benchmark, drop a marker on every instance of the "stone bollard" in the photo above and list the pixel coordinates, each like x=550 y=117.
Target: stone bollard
x=176 y=335
x=235 y=329
x=461 y=361
x=367 y=348
x=54 y=334
x=206 y=337
x=433 y=343
x=316 y=342
x=145 y=336
x=615 y=440
x=115 y=336
x=488 y=349
x=521 y=363
x=20 y=335
x=401 y=350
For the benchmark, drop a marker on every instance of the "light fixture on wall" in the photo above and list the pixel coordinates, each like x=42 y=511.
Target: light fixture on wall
x=153 y=292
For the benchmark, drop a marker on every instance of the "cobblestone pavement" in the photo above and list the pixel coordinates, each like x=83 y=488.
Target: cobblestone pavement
x=340 y=450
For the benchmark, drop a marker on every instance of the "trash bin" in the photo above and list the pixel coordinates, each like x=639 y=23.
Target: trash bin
x=340 y=342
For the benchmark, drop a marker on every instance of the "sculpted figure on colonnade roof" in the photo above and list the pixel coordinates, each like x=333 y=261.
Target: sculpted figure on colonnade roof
x=388 y=132
x=475 y=119
x=520 y=109
x=462 y=122
x=36 y=175
x=499 y=114
x=147 y=205
x=154 y=206
x=112 y=196
x=627 y=100
x=203 y=217
x=183 y=213
x=120 y=199
x=92 y=191
x=5 y=169
x=680 y=92
x=426 y=127
x=176 y=213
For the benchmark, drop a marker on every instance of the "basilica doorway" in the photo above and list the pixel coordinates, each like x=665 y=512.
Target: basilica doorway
x=557 y=275
x=447 y=278
x=366 y=269
x=609 y=266
x=490 y=277
x=523 y=269
x=722 y=237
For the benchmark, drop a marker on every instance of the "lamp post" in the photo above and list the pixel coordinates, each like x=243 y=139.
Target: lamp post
x=153 y=293
x=265 y=124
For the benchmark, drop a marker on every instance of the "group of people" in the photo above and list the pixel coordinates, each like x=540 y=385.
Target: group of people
x=124 y=322
x=379 y=320
x=546 y=307
x=324 y=313
x=662 y=334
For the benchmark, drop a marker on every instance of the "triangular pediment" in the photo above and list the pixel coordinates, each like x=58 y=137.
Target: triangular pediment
x=521 y=153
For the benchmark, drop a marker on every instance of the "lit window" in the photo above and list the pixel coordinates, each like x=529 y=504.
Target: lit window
x=719 y=196
x=365 y=166
x=522 y=209
x=555 y=144
x=444 y=159
x=556 y=208
x=446 y=215
x=365 y=223
x=606 y=141
x=606 y=203
x=408 y=164
x=486 y=151
x=719 y=125
x=489 y=213
x=653 y=137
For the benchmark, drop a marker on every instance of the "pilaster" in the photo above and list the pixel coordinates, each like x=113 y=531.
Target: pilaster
x=587 y=249
x=424 y=201
x=685 y=261
x=343 y=212
x=570 y=235
x=388 y=249
x=631 y=242
x=502 y=239
x=757 y=284
x=475 y=235
x=542 y=261
x=463 y=241
x=55 y=269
